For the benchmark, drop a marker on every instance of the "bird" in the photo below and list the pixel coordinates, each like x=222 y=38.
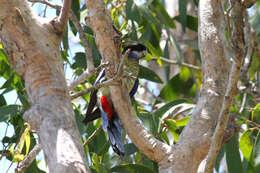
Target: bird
x=105 y=109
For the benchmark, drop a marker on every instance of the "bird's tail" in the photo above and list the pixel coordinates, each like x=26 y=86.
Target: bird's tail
x=114 y=130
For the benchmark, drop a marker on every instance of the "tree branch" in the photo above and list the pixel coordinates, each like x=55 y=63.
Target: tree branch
x=89 y=56
x=108 y=42
x=92 y=136
x=64 y=14
x=47 y=3
x=87 y=74
x=90 y=67
x=195 y=139
x=39 y=63
x=59 y=23
x=24 y=164
x=182 y=63
x=237 y=14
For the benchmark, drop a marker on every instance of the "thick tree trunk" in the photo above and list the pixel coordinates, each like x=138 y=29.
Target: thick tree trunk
x=32 y=48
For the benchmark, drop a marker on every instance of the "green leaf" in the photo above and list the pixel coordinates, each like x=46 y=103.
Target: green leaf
x=130 y=148
x=172 y=126
x=132 y=12
x=183 y=13
x=75 y=6
x=219 y=158
x=245 y=144
x=80 y=61
x=233 y=159
x=164 y=136
x=148 y=15
x=163 y=14
x=98 y=166
x=192 y=22
x=33 y=168
x=3 y=56
x=256 y=153
x=152 y=49
x=176 y=48
x=23 y=99
x=146 y=73
x=176 y=87
x=182 y=121
x=99 y=144
x=65 y=40
x=151 y=122
x=8 y=111
x=256 y=112
x=132 y=168
x=162 y=110
x=79 y=119
x=2 y=100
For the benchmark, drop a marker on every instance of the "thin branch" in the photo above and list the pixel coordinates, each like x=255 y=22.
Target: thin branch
x=182 y=63
x=98 y=86
x=92 y=136
x=57 y=7
x=87 y=74
x=60 y=22
x=243 y=103
x=24 y=164
x=89 y=56
x=108 y=82
x=252 y=123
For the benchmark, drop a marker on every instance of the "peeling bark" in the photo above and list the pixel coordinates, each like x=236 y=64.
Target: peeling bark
x=32 y=47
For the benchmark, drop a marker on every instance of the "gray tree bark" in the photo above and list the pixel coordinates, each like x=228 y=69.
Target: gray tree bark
x=38 y=62
x=195 y=140
x=32 y=47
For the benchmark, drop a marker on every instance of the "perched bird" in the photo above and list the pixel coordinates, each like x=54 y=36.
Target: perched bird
x=105 y=109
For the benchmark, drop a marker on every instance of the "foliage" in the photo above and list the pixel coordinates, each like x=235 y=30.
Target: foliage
x=170 y=102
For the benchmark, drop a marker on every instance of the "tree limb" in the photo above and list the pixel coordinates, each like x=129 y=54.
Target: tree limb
x=237 y=15
x=176 y=62
x=38 y=62
x=90 y=67
x=108 y=42
x=87 y=74
x=64 y=13
x=24 y=164
x=92 y=136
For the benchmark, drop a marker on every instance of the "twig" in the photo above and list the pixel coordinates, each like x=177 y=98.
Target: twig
x=85 y=75
x=89 y=56
x=252 y=123
x=103 y=84
x=108 y=82
x=57 y=7
x=243 y=103
x=29 y=159
x=92 y=136
x=182 y=63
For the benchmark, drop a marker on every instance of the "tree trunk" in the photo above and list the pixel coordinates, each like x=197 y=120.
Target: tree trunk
x=32 y=47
